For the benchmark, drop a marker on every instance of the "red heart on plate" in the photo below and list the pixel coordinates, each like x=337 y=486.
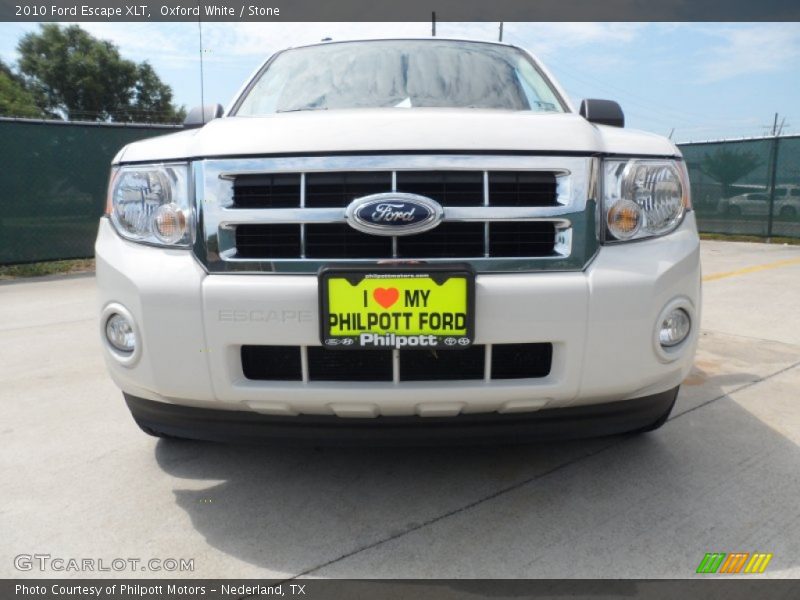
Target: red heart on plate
x=386 y=296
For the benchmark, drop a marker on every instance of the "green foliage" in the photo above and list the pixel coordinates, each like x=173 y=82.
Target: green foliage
x=84 y=78
x=55 y=267
x=16 y=100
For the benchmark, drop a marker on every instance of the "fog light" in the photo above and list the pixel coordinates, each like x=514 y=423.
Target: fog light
x=120 y=334
x=674 y=328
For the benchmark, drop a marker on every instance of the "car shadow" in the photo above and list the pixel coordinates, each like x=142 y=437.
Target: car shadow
x=291 y=510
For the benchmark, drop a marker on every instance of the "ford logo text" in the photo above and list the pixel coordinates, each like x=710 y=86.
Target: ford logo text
x=394 y=214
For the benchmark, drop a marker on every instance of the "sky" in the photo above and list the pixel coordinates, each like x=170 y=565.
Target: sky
x=697 y=81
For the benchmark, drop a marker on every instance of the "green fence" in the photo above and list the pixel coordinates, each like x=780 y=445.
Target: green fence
x=54 y=176
x=53 y=185
x=749 y=187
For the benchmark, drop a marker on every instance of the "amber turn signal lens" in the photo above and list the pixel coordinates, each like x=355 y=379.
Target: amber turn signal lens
x=624 y=219
x=169 y=223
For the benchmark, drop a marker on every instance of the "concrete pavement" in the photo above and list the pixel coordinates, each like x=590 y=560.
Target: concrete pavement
x=81 y=481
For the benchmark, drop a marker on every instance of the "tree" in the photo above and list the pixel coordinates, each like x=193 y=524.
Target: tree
x=82 y=77
x=727 y=167
x=16 y=100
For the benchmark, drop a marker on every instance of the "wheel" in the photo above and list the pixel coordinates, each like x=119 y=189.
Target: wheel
x=788 y=212
x=662 y=419
x=734 y=211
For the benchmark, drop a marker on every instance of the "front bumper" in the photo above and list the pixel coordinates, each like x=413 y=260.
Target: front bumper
x=593 y=420
x=601 y=322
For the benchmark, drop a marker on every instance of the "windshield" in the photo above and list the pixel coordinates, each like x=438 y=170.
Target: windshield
x=400 y=74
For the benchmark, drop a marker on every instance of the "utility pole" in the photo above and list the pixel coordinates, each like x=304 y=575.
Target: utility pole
x=433 y=24
x=500 y=39
x=780 y=127
x=773 y=172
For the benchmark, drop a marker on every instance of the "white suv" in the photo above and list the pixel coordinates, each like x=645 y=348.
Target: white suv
x=405 y=240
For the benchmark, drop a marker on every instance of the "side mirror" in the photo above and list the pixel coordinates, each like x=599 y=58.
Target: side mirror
x=200 y=115
x=602 y=112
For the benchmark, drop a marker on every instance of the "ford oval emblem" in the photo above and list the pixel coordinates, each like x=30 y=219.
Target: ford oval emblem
x=394 y=213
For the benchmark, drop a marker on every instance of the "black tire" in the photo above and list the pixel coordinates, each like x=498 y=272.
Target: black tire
x=788 y=212
x=734 y=211
x=662 y=419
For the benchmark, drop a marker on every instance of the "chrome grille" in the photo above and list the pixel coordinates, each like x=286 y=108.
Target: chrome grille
x=501 y=213
x=448 y=188
x=339 y=241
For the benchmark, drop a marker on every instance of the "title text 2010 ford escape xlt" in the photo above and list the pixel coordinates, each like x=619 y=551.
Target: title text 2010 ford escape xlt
x=388 y=239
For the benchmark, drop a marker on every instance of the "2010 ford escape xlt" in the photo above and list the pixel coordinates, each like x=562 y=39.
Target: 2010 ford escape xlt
x=399 y=239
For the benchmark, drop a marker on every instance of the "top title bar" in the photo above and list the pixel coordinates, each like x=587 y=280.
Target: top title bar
x=405 y=10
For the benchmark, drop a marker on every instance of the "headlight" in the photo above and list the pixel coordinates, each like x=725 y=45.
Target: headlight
x=643 y=198
x=151 y=204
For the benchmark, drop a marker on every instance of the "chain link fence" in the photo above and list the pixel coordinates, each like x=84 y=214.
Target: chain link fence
x=53 y=185
x=746 y=187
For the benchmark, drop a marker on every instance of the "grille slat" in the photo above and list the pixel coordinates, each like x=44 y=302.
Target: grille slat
x=448 y=188
x=521 y=238
x=525 y=188
x=509 y=361
x=268 y=241
x=337 y=189
x=340 y=241
x=454 y=239
x=448 y=240
x=281 y=190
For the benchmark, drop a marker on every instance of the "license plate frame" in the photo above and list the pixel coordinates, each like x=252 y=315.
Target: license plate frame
x=399 y=276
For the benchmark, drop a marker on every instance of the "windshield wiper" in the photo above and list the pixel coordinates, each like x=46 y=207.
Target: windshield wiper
x=304 y=108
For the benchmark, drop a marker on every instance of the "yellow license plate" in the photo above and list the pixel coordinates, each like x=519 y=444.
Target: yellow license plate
x=402 y=307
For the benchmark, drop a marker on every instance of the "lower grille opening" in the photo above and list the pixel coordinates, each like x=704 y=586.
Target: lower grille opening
x=272 y=363
x=509 y=361
x=521 y=361
x=442 y=365
x=349 y=365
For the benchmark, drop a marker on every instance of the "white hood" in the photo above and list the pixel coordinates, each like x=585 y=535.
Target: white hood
x=396 y=129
